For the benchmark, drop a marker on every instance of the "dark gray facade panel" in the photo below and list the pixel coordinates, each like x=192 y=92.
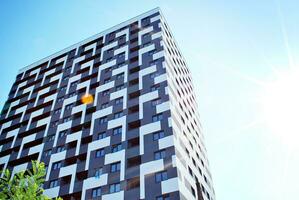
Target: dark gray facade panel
x=120 y=146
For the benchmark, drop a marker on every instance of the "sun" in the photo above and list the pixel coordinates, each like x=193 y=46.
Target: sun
x=280 y=106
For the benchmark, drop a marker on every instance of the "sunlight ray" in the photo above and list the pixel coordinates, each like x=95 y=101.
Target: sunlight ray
x=278 y=105
x=263 y=57
x=284 y=34
x=234 y=72
x=234 y=133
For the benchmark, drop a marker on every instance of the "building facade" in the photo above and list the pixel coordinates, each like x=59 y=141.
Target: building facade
x=138 y=137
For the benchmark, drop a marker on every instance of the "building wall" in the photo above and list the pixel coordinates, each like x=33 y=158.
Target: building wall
x=129 y=73
x=195 y=179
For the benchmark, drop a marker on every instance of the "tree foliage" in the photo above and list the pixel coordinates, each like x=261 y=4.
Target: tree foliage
x=24 y=185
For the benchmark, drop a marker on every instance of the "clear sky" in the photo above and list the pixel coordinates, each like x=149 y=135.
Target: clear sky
x=242 y=55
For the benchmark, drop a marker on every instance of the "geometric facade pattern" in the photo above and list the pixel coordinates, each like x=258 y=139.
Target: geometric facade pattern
x=140 y=138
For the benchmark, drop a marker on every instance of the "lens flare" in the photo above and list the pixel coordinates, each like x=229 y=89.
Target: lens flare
x=280 y=106
x=87 y=99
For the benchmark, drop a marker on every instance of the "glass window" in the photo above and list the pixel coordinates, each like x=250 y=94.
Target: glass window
x=57 y=111
x=100 y=153
x=119 y=76
x=121 y=64
x=54 y=124
x=114 y=187
x=116 y=148
x=115 y=167
x=156 y=102
x=98 y=172
x=158 y=135
x=109 y=59
x=96 y=192
x=157 y=117
x=62 y=133
x=193 y=191
x=146 y=44
x=108 y=69
x=160 y=154
x=53 y=183
x=118 y=115
x=50 y=138
x=103 y=120
x=118 y=100
x=104 y=105
x=110 y=50
x=121 y=55
x=60 y=149
x=62 y=88
x=67 y=119
x=56 y=165
x=117 y=131
x=161 y=176
x=74 y=83
x=120 y=87
x=105 y=93
x=69 y=106
x=147 y=35
x=48 y=152
x=60 y=99
x=102 y=135
x=66 y=78
x=107 y=80
x=72 y=94
x=152 y=52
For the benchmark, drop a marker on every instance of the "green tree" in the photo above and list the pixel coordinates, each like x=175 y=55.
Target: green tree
x=24 y=185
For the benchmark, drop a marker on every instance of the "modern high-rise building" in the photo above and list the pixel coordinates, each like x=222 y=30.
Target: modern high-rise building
x=112 y=117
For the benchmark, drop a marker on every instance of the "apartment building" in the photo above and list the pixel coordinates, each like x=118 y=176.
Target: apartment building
x=112 y=117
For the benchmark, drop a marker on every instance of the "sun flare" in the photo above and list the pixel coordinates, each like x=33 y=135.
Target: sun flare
x=280 y=105
x=87 y=99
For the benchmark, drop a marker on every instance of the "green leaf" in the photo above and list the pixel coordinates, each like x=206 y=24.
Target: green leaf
x=24 y=185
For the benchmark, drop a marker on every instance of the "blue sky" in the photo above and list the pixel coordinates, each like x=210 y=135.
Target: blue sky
x=232 y=48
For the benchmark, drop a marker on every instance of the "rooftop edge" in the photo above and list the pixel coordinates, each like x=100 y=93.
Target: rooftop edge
x=152 y=11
